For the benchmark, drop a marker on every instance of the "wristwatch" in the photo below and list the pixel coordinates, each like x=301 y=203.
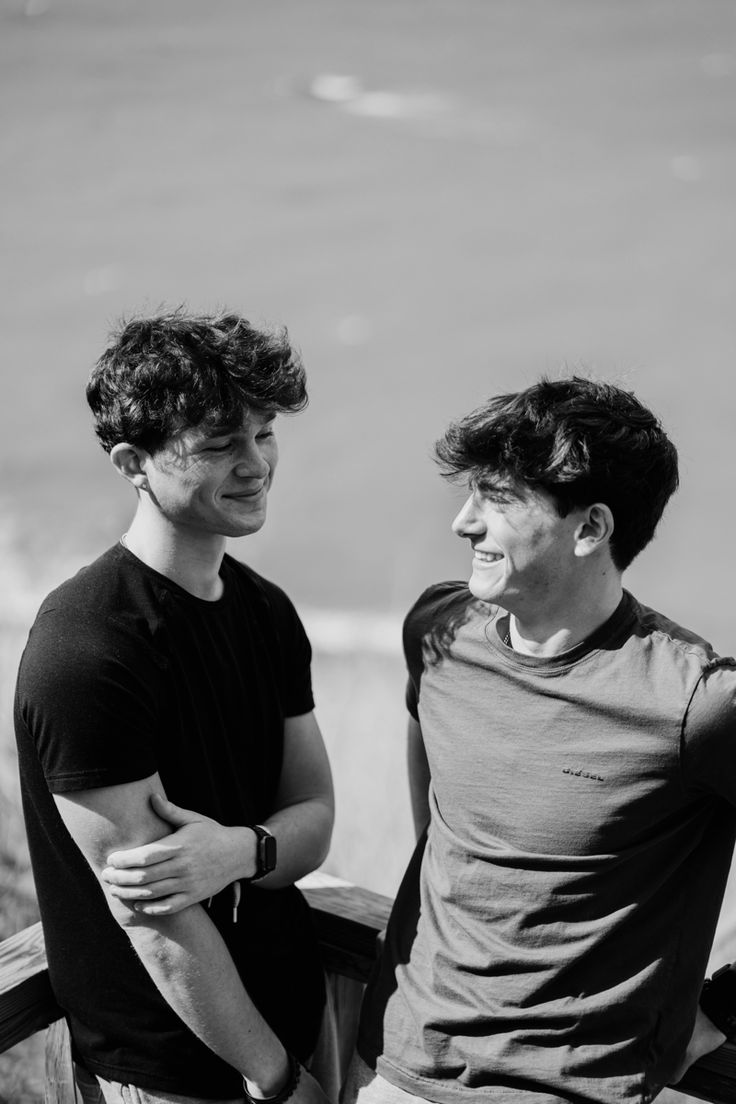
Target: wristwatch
x=718 y=1000
x=265 y=852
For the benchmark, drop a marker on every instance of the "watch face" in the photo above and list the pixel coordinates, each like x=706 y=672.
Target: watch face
x=268 y=853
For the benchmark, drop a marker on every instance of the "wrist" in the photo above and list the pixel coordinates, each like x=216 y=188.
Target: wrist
x=246 y=853
x=265 y=852
x=266 y=1092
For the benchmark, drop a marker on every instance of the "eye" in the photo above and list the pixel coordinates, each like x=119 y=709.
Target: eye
x=217 y=448
x=265 y=433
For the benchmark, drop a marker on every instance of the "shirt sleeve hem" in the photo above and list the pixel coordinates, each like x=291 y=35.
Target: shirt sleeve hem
x=92 y=780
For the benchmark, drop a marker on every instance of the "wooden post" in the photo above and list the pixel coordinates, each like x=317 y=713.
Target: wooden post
x=60 y=1085
x=27 y=1003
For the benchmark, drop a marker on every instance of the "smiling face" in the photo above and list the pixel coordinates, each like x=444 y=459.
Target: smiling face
x=213 y=480
x=523 y=551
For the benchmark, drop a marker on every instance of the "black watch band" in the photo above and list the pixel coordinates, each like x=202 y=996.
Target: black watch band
x=265 y=852
x=718 y=1000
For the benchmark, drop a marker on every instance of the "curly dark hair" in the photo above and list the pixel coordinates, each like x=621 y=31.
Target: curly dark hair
x=176 y=369
x=579 y=440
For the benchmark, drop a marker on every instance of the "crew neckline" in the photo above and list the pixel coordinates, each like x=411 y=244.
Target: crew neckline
x=611 y=629
x=170 y=584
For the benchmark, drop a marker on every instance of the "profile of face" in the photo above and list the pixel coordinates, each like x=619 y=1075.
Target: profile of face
x=214 y=479
x=524 y=555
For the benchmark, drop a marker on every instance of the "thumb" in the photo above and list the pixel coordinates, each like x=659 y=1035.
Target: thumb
x=172 y=813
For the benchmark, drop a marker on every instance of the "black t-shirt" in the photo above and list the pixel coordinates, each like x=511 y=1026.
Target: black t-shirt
x=125 y=674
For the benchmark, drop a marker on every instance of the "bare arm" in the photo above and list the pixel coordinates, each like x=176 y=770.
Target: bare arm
x=305 y=805
x=705 y=1038
x=419 y=776
x=183 y=953
x=202 y=856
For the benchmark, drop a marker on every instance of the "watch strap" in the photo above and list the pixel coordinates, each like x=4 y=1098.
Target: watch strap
x=284 y=1093
x=265 y=852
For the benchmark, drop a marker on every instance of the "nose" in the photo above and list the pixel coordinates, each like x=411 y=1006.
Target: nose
x=468 y=522
x=252 y=464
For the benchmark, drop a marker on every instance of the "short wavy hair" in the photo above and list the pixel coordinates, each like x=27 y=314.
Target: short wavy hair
x=580 y=441
x=163 y=373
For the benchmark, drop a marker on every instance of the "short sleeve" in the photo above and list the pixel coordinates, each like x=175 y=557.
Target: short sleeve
x=709 y=733
x=86 y=694
x=295 y=655
x=413 y=630
x=428 y=630
x=412 y=698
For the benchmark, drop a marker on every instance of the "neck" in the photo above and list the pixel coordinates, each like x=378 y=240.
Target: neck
x=551 y=632
x=191 y=560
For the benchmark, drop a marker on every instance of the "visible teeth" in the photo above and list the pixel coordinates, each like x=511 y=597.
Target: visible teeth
x=488 y=557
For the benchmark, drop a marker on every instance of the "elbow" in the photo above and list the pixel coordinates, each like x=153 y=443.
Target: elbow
x=325 y=835
x=320 y=837
x=315 y=842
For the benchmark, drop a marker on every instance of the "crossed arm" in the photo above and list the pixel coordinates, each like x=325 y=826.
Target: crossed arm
x=180 y=947
x=201 y=856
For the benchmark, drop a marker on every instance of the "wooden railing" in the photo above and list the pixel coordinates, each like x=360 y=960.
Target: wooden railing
x=348 y=920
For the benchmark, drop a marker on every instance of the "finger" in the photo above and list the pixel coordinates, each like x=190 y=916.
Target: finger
x=147 y=855
x=174 y=814
x=177 y=902
x=139 y=876
x=144 y=893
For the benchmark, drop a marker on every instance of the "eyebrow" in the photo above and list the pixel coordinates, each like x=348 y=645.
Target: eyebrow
x=218 y=430
x=224 y=430
x=495 y=488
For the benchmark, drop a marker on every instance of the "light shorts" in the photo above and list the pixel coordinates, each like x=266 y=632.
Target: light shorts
x=95 y=1090
x=364 y=1086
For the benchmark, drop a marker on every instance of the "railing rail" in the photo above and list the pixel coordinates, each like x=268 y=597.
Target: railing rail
x=348 y=920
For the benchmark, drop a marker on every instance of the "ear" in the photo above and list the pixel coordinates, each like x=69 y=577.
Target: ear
x=130 y=462
x=595 y=529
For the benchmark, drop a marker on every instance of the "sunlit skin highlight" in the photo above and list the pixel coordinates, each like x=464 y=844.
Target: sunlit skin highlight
x=205 y=484
x=215 y=480
x=553 y=574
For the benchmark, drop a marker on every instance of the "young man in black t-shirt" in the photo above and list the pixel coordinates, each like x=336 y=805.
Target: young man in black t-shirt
x=174 y=778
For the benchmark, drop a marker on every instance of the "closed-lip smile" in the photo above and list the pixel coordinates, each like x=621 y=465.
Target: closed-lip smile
x=245 y=494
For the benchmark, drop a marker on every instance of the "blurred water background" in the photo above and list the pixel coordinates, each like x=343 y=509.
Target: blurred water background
x=441 y=199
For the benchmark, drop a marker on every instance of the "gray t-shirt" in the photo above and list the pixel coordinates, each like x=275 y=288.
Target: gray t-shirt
x=550 y=937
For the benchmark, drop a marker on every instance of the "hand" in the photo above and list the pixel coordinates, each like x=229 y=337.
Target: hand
x=705 y=1038
x=309 y=1091
x=192 y=864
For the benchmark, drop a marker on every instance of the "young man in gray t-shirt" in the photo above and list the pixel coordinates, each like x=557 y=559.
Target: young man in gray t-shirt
x=573 y=771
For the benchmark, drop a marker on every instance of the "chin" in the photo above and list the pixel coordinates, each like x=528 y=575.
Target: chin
x=481 y=591
x=251 y=522
x=243 y=529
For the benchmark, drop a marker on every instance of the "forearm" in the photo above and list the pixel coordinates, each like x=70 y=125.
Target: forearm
x=303 y=832
x=192 y=969
x=201 y=857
